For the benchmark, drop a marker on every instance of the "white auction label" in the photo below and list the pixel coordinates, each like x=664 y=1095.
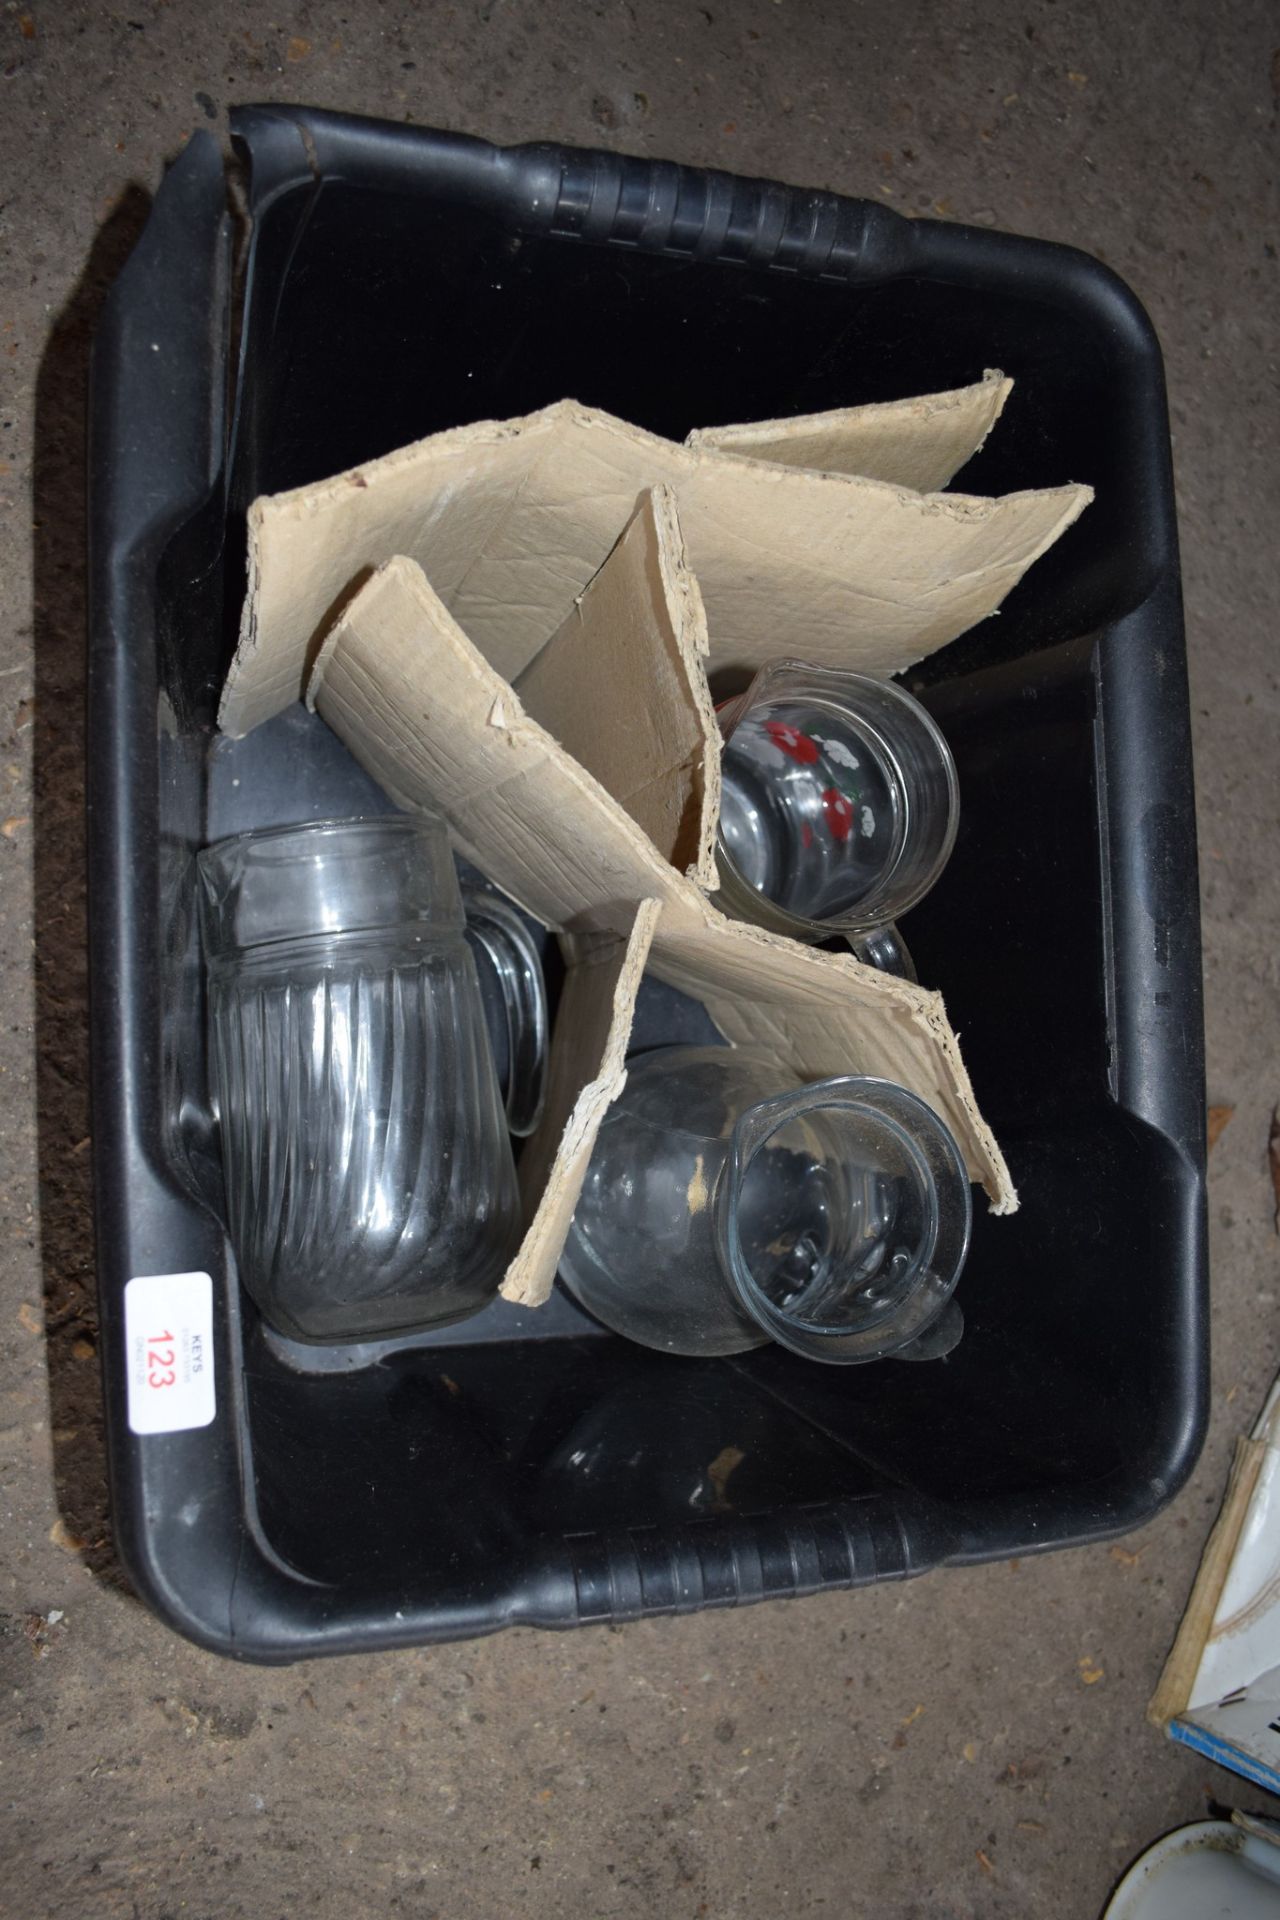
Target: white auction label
x=168 y=1328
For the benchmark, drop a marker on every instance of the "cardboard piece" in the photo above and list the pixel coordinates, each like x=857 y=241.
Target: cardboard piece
x=820 y=1015
x=920 y=443
x=510 y=521
x=635 y=642
x=433 y=721
x=1220 y=1689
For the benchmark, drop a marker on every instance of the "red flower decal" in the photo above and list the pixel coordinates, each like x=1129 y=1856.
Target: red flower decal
x=791 y=741
x=806 y=836
x=838 y=809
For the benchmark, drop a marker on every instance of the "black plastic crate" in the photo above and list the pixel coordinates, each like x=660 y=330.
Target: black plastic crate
x=526 y=1467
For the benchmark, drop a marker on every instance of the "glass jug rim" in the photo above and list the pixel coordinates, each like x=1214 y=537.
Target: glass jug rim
x=936 y=1268
x=790 y=678
x=825 y=682
x=275 y=891
x=425 y=817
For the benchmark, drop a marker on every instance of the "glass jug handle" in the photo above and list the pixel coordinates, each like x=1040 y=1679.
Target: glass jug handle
x=496 y=927
x=885 y=948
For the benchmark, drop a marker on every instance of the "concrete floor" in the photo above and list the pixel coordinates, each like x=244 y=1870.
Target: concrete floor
x=934 y=1750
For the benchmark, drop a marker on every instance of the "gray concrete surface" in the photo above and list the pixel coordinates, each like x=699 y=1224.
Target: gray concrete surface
x=973 y=1744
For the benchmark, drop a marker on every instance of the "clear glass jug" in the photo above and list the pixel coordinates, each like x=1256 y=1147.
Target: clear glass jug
x=369 y=1178
x=720 y=1212
x=839 y=807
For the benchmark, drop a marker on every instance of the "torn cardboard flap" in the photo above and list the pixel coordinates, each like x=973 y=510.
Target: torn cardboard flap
x=510 y=521
x=632 y=649
x=814 y=1014
x=433 y=722
x=919 y=443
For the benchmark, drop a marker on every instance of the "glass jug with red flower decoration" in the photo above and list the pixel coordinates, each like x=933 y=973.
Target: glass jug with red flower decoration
x=839 y=807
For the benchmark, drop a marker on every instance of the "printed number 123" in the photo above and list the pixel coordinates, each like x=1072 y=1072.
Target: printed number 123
x=160 y=1360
